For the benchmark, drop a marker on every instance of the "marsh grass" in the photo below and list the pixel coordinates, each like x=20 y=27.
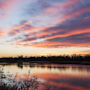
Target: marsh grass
x=9 y=82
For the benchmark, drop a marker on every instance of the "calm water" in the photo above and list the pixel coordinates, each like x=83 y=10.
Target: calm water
x=56 y=77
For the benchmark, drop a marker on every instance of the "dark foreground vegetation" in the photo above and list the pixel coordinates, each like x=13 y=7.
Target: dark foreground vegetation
x=9 y=82
x=75 y=59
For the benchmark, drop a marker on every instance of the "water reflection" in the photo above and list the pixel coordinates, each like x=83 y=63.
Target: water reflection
x=53 y=76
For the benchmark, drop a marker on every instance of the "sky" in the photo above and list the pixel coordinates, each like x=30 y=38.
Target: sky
x=44 y=27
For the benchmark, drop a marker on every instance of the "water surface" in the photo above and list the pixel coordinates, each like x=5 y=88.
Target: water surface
x=53 y=76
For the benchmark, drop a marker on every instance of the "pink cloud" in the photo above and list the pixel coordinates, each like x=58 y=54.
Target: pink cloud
x=6 y=6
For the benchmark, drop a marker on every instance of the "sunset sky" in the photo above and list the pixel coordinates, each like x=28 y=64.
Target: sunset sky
x=44 y=27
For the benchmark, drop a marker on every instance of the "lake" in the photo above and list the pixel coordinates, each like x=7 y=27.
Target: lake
x=52 y=76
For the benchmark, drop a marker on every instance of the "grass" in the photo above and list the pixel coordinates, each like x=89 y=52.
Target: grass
x=9 y=82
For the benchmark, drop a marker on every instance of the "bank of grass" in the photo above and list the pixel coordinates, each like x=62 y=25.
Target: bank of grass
x=9 y=82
